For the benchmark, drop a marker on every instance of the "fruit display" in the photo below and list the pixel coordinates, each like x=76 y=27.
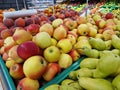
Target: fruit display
x=40 y=47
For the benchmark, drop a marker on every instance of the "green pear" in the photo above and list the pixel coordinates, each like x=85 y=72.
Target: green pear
x=66 y=87
x=76 y=85
x=52 y=87
x=97 y=43
x=116 y=41
x=72 y=75
x=107 y=65
x=67 y=82
x=90 y=63
x=92 y=53
x=108 y=44
x=116 y=83
x=84 y=72
x=95 y=84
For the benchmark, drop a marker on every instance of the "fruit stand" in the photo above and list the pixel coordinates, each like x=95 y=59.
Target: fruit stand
x=69 y=44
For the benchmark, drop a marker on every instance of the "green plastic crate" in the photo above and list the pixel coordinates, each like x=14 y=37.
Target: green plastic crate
x=10 y=85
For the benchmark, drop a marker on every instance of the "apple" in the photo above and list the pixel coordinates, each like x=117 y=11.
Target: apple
x=82 y=38
x=1 y=42
x=2 y=50
x=8 y=43
x=72 y=38
x=60 y=32
x=28 y=84
x=9 y=63
x=109 y=15
x=51 y=71
x=96 y=17
x=34 y=67
x=62 y=45
x=57 y=22
x=92 y=32
x=33 y=29
x=43 y=39
x=74 y=54
x=21 y=35
x=53 y=42
x=83 y=29
x=47 y=27
x=52 y=54
x=101 y=23
x=107 y=34
x=28 y=49
x=71 y=24
x=81 y=20
x=65 y=60
x=12 y=53
x=16 y=71
x=5 y=56
x=99 y=36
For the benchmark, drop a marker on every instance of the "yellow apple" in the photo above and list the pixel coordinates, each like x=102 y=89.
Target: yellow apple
x=53 y=42
x=9 y=63
x=92 y=32
x=83 y=29
x=43 y=40
x=64 y=45
x=65 y=61
x=34 y=67
x=47 y=27
x=52 y=54
x=57 y=22
x=60 y=32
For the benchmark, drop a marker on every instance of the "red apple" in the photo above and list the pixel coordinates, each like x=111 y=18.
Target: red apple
x=51 y=70
x=16 y=71
x=109 y=15
x=28 y=84
x=74 y=54
x=33 y=29
x=28 y=49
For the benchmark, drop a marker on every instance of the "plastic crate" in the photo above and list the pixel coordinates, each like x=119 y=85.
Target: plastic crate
x=10 y=85
x=6 y=79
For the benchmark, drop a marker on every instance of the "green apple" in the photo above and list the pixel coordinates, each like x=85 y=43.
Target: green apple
x=52 y=54
x=64 y=45
x=34 y=67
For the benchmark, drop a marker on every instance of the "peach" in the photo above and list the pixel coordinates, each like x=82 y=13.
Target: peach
x=8 y=22
x=6 y=33
x=19 y=22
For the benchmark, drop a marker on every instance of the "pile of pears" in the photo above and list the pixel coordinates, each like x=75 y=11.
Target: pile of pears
x=100 y=70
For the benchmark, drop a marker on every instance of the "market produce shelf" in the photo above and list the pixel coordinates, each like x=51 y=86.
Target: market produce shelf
x=6 y=80
x=8 y=83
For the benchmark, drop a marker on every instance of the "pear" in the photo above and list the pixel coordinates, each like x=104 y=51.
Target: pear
x=92 y=53
x=66 y=87
x=90 y=63
x=116 y=41
x=67 y=82
x=116 y=51
x=107 y=65
x=97 y=43
x=116 y=83
x=108 y=44
x=95 y=84
x=52 y=87
x=84 y=72
x=73 y=75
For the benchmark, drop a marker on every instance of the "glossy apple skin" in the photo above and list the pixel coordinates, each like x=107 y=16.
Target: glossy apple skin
x=34 y=67
x=16 y=71
x=52 y=70
x=28 y=84
x=28 y=49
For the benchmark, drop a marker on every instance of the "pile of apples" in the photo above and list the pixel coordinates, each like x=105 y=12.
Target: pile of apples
x=38 y=48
